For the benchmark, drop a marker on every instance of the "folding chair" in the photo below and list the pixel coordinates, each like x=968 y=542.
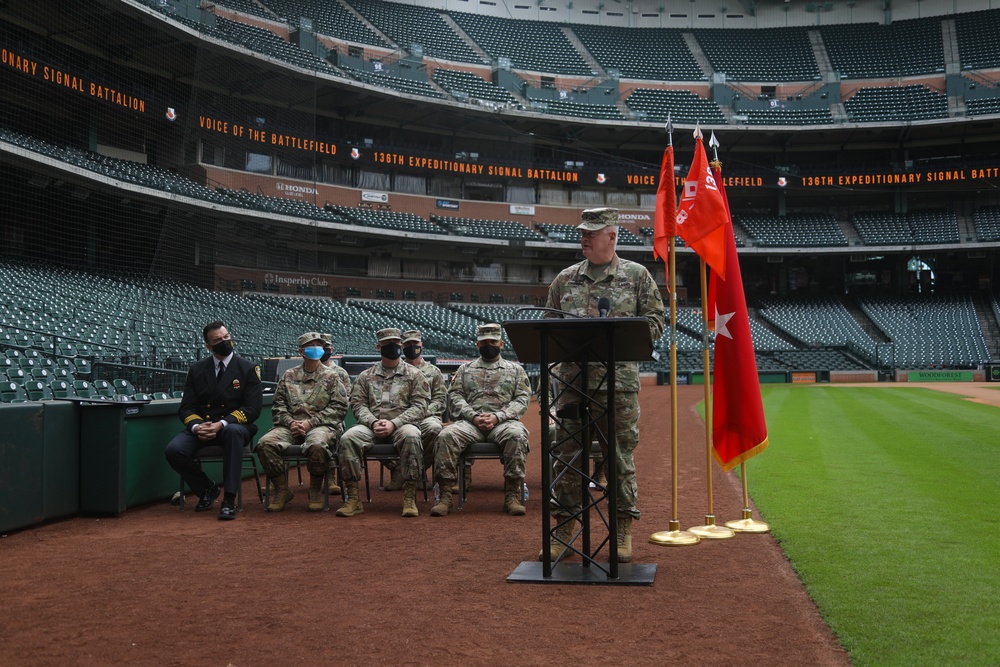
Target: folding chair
x=12 y=392
x=102 y=388
x=477 y=450
x=383 y=453
x=62 y=389
x=295 y=456
x=213 y=454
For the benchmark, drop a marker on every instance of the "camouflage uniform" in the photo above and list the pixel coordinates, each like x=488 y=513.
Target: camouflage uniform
x=631 y=292
x=500 y=387
x=320 y=398
x=430 y=426
x=345 y=380
x=399 y=394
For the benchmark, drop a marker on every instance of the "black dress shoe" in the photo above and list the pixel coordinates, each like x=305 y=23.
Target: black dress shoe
x=208 y=498
x=227 y=512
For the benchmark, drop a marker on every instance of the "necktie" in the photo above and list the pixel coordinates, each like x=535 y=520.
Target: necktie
x=222 y=369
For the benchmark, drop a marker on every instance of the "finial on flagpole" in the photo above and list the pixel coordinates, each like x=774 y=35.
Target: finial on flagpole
x=697 y=131
x=669 y=127
x=714 y=143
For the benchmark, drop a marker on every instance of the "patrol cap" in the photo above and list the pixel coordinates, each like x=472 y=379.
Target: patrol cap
x=488 y=332
x=309 y=337
x=389 y=333
x=412 y=335
x=594 y=219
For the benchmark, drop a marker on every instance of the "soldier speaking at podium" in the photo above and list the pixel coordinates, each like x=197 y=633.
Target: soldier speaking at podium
x=603 y=285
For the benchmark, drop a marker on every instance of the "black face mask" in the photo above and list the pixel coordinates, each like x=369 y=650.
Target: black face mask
x=326 y=356
x=223 y=348
x=412 y=351
x=391 y=350
x=489 y=351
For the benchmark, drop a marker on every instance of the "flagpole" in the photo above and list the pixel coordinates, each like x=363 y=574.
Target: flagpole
x=710 y=530
x=673 y=536
x=747 y=524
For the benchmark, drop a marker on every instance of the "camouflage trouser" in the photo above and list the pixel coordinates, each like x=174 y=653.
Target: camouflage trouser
x=429 y=429
x=318 y=445
x=512 y=436
x=567 y=492
x=406 y=440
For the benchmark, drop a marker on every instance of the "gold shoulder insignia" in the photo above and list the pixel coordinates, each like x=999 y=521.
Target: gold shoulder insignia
x=257 y=368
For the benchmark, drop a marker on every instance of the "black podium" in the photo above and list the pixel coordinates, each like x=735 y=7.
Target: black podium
x=585 y=344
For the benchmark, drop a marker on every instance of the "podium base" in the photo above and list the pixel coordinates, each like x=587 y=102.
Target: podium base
x=629 y=574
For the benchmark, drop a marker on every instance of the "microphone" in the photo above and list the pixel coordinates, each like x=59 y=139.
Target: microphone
x=603 y=306
x=554 y=311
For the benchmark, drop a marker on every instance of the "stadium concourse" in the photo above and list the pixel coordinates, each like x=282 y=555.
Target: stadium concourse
x=307 y=588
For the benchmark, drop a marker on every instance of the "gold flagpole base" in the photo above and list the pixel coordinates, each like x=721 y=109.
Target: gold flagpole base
x=712 y=532
x=748 y=525
x=674 y=536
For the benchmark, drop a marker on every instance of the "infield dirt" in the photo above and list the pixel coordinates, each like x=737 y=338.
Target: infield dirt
x=160 y=587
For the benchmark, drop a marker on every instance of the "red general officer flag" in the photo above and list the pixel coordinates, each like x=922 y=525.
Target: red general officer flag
x=665 y=222
x=738 y=428
x=701 y=218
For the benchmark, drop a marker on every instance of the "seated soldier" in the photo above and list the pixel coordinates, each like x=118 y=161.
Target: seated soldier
x=309 y=408
x=430 y=425
x=345 y=379
x=488 y=396
x=388 y=400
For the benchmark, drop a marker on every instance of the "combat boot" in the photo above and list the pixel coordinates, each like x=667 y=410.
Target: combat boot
x=512 y=497
x=395 y=480
x=282 y=494
x=625 y=539
x=468 y=480
x=556 y=548
x=444 y=504
x=332 y=481
x=315 y=493
x=601 y=473
x=410 y=499
x=353 y=505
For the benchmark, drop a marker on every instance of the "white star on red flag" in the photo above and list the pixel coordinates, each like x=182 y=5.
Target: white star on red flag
x=720 y=324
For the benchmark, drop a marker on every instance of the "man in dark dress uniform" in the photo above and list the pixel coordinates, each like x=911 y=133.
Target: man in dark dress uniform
x=221 y=402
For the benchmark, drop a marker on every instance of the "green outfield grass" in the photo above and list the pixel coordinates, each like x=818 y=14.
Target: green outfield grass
x=887 y=503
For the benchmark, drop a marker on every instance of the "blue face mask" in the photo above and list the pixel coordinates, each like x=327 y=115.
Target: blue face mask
x=313 y=352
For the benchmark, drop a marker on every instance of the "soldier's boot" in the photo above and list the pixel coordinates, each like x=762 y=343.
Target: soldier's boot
x=468 y=480
x=395 y=480
x=625 y=539
x=512 y=497
x=444 y=504
x=332 y=481
x=410 y=499
x=315 y=493
x=556 y=548
x=600 y=473
x=282 y=494
x=353 y=505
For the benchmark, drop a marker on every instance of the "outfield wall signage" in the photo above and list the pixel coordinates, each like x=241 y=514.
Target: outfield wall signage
x=939 y=376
